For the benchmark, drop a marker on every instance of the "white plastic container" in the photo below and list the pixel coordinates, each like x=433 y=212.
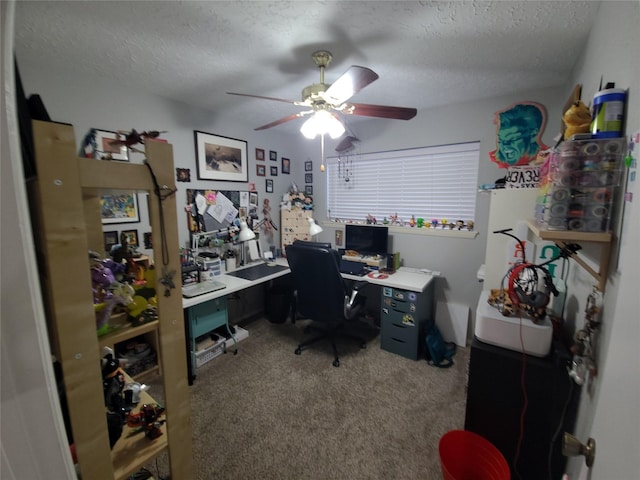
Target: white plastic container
x=495 y=329
x=608 y=113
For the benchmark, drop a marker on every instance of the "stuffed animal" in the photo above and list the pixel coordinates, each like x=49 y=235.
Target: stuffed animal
x=500 y=299
x=577 y=119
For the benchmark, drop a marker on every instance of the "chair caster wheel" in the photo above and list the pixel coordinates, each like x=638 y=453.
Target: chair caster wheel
x=298 y=351
x=336 y=363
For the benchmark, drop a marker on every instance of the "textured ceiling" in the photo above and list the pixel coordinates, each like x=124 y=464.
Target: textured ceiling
x=426 y=53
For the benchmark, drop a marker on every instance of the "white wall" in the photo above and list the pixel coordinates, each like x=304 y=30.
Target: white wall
x=609 y=407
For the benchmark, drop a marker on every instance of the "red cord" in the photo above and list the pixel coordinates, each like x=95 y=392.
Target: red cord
x=525 y=403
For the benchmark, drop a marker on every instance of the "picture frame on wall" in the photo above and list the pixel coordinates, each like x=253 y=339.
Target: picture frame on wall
x=308 y=166
x=221 y=158
x=131 y=236
x=261 y=170
x=273 y=156
x=260 y=154
x=106 y=150
x=308 y=178
x=269 y=185
x=308 y=190
x=110 y=239
x=286 y=166
x=119 y=208
x=274 y=171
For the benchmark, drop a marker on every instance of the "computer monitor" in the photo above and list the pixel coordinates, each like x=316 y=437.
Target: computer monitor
x=366 y=239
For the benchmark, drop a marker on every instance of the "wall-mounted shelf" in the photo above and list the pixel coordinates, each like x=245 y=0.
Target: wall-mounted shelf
x=562 y=237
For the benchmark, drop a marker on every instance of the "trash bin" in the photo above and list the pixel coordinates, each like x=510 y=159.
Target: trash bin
x=278 y=303
x=466 y=455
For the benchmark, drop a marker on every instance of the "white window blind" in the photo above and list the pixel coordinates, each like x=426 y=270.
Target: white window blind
x=428 y=182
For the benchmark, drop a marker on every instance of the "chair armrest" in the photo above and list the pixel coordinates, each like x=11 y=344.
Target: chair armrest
x=353 y=304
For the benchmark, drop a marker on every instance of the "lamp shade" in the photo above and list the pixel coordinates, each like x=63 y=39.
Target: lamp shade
x=314 y=228
x=321 y=122
x=245 y=232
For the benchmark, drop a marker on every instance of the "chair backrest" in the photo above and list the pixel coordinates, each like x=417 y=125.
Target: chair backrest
x=317 y=280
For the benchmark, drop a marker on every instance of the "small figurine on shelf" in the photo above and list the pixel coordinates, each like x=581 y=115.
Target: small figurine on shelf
x=371 y=220
x=412 y=222
x=113 y=384
x=147 y=420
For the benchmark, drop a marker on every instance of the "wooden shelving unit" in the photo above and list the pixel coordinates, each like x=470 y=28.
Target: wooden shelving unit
x=65 y=205
x=562 y=237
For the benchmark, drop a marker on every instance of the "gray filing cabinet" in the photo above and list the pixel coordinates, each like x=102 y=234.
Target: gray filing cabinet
x=404 y=318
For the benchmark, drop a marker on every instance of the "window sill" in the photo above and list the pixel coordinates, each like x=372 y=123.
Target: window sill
x=436 y=232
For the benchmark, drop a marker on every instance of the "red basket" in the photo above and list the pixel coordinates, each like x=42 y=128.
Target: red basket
x=465 y=455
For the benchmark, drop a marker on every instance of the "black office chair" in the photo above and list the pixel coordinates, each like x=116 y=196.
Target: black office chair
x=322 y=295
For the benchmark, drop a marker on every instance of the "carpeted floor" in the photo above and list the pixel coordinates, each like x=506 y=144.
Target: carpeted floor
x=267 y=413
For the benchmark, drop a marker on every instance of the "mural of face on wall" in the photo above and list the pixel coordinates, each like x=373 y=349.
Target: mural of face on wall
x=520 y=127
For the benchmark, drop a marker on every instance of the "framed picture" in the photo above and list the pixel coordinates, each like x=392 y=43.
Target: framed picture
x=131 y=236
x=148 y=240
x=308 y=166
x=286 y=166
x=308 y=178
x=273 y=156
x=261 y=170
x=308 y=190
x=110 y=239
x=269 y=185
x=107 y=150
x=119 y=208
x=259 y=154
x=183 y=174
x=274 y=171
x=221 y=158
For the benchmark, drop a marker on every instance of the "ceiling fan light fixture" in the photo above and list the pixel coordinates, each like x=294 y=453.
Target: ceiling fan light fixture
x=322 y=122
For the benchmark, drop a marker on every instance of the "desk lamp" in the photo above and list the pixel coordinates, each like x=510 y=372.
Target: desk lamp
x=245 y=235
x=314 y=228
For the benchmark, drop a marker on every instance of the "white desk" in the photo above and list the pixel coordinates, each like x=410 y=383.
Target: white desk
x=200 y=318
x=235 y=284
x=412 y=281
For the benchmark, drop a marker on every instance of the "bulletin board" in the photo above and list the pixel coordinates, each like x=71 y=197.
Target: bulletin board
x=222 y=208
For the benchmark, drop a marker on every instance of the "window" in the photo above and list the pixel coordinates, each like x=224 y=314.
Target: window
x=428 y=182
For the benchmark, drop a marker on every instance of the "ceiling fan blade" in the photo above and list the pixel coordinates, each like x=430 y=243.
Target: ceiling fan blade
x=381 y=111
x=349 y=83
x=283 y=120
x=265 y=98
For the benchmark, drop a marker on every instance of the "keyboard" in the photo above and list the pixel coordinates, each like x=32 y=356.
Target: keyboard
x=201 y=288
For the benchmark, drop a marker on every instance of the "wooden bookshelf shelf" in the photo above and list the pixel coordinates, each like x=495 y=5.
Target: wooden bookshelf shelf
x=65 y=204
x=564 y=237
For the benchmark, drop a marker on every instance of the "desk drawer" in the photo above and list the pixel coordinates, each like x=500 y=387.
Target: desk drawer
x=407 y=347
x=398 y=330
x=207 y=316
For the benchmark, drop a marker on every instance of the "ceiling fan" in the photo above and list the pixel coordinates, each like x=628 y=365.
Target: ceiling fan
x=323 y=98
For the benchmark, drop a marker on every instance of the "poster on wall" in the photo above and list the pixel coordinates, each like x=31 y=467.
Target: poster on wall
x=519 y=129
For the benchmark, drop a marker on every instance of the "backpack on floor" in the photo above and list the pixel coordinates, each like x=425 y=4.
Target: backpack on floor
x=439 y=353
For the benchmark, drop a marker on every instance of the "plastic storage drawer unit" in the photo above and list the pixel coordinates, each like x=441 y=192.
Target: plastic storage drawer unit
x=403 y=320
